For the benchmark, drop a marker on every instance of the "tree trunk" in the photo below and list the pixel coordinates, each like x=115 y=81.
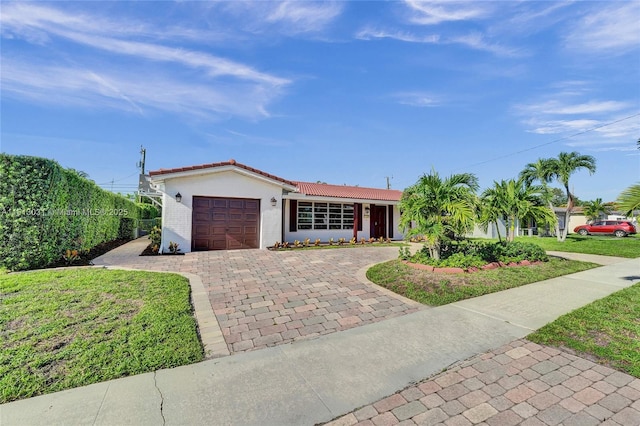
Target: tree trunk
x=498 y=231
x=434 y=250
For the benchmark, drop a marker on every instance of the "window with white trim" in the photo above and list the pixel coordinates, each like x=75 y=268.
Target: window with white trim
x=312 y=215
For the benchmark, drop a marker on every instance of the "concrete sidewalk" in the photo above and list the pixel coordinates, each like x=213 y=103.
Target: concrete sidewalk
x=314 y=381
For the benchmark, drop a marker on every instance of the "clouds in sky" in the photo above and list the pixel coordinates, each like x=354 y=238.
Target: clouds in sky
x=182 y=61
x=196 y=82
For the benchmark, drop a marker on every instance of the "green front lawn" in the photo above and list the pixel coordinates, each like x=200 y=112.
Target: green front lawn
x=603 y=245
x=439 y=288
x=61 y=329
x=607 y=329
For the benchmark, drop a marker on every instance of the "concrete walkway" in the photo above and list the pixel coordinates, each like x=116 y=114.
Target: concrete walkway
x=315 y=381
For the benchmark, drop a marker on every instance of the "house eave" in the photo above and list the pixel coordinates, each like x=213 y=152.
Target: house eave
x=304 y=197
x=161 y=178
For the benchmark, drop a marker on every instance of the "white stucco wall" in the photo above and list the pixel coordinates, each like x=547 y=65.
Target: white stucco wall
x=177 y=217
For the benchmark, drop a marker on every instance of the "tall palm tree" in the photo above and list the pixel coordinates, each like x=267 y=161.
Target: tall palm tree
x=561 y=169
x=542 y=171
x=629 y=200
x=519 y=202
x=593 y=209
x=437 y=208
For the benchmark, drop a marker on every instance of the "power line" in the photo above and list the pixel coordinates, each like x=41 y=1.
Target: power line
x=549 y=143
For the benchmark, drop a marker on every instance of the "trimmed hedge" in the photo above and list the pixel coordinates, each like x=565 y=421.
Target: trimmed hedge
x=46 y=209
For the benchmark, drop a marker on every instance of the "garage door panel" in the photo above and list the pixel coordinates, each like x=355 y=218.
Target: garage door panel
x=225 y=223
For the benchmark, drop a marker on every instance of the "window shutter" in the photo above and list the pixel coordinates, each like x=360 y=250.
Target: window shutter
x=390 y=221
x=293 y=215
x=359 y=209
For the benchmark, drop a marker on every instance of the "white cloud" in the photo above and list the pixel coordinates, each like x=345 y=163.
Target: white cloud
x=474 y=41
x=370 y=33
x=436 y=12
x=417 y=99
x=563 y=108
x=192 y=82
x=611 y=28
x=284 y=17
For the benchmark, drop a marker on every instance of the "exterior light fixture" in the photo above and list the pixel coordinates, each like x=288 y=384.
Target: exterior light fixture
x=273 y=201
x=178 y=197
x=367 y=211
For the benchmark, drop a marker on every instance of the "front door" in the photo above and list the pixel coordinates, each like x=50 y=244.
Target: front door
x=379 y=221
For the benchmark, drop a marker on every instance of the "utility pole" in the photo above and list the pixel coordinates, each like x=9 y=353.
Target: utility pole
x=143 y=154
x=388 y=182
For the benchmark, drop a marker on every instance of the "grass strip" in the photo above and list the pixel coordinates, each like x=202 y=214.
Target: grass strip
x=607 y=330
x=440 y=289
x=628 y=247
x=61 y=329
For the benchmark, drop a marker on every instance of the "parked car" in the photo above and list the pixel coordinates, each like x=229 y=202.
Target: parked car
x=619 y=228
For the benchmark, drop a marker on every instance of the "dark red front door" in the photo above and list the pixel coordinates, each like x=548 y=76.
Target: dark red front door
x=379 y=221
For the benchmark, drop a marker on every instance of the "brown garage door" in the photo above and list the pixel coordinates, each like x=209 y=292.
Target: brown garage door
x=225 y=223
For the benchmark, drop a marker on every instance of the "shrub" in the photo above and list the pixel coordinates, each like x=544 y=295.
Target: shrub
x=470 y=253
x=46 y=209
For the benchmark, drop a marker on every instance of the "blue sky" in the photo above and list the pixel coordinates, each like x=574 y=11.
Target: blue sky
x=341 y=92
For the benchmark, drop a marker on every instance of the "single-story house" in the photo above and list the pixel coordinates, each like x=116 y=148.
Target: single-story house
x=228 y=205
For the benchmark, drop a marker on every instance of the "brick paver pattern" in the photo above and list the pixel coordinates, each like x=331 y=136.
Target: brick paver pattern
x=264 y=298
x=521 y=383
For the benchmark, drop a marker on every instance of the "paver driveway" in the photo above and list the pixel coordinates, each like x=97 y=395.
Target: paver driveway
x=263 y=298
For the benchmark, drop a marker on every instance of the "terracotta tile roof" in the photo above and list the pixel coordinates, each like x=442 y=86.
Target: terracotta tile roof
x=343 y=191
x=231 y=162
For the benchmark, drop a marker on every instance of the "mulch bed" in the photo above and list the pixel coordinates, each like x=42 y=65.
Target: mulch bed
x=87 y=257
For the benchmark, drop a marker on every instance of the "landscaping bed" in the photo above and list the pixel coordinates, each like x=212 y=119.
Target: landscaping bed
x=84 y=258
x=67 y=328
x=628 y=247
x=433 y=288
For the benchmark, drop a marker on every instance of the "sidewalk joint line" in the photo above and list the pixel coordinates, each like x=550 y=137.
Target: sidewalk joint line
x=492 y=317
x=95 y=419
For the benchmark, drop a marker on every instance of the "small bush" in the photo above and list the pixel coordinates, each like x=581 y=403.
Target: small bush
x=468 y=253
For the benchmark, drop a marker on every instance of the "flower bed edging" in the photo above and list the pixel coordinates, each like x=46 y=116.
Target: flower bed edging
x=492 y=265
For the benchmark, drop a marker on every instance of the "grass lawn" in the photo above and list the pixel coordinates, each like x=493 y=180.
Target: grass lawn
x=603 y=245
x=607 y=329
x=439 y=289
x=61 y=329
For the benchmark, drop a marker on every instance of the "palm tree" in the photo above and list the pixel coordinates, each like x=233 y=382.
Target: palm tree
x=561 y=169
x=438 y=208
x=629 y=200
x=490 y=210
x=542 y=171
x=593 y=209
x=518 y=202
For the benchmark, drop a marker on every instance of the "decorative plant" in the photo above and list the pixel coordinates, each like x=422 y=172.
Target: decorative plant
x=276 y=245
x=371 y=240
x=297 y=243
x=306 y=242
x=155 y=248
x=155 y=235
x=352 y=241
x=173 y=247
x=330 y=241
x=316 y=242
x=362 y=241
x=341 y=241
x=71 y=256
x=381 y=240
x=285 y=244
x=405 y=253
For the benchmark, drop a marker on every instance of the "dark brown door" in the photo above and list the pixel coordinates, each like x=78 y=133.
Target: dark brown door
x=225 y=223
x=379 y=221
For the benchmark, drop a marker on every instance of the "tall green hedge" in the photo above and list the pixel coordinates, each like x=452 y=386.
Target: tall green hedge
x=46 y=209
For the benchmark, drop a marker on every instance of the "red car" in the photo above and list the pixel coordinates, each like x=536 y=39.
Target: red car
x=619 y=228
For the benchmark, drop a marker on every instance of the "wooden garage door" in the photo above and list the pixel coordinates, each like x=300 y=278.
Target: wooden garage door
x=225 y=223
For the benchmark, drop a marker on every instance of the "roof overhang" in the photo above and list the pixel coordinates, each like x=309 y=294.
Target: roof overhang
x=162 y=178
x=303 y=197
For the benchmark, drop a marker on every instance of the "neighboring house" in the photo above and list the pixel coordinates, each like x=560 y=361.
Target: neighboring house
x=228 y=205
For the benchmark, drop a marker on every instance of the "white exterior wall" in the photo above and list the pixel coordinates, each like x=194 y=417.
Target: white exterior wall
x=177 y=217
x=325 y=234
